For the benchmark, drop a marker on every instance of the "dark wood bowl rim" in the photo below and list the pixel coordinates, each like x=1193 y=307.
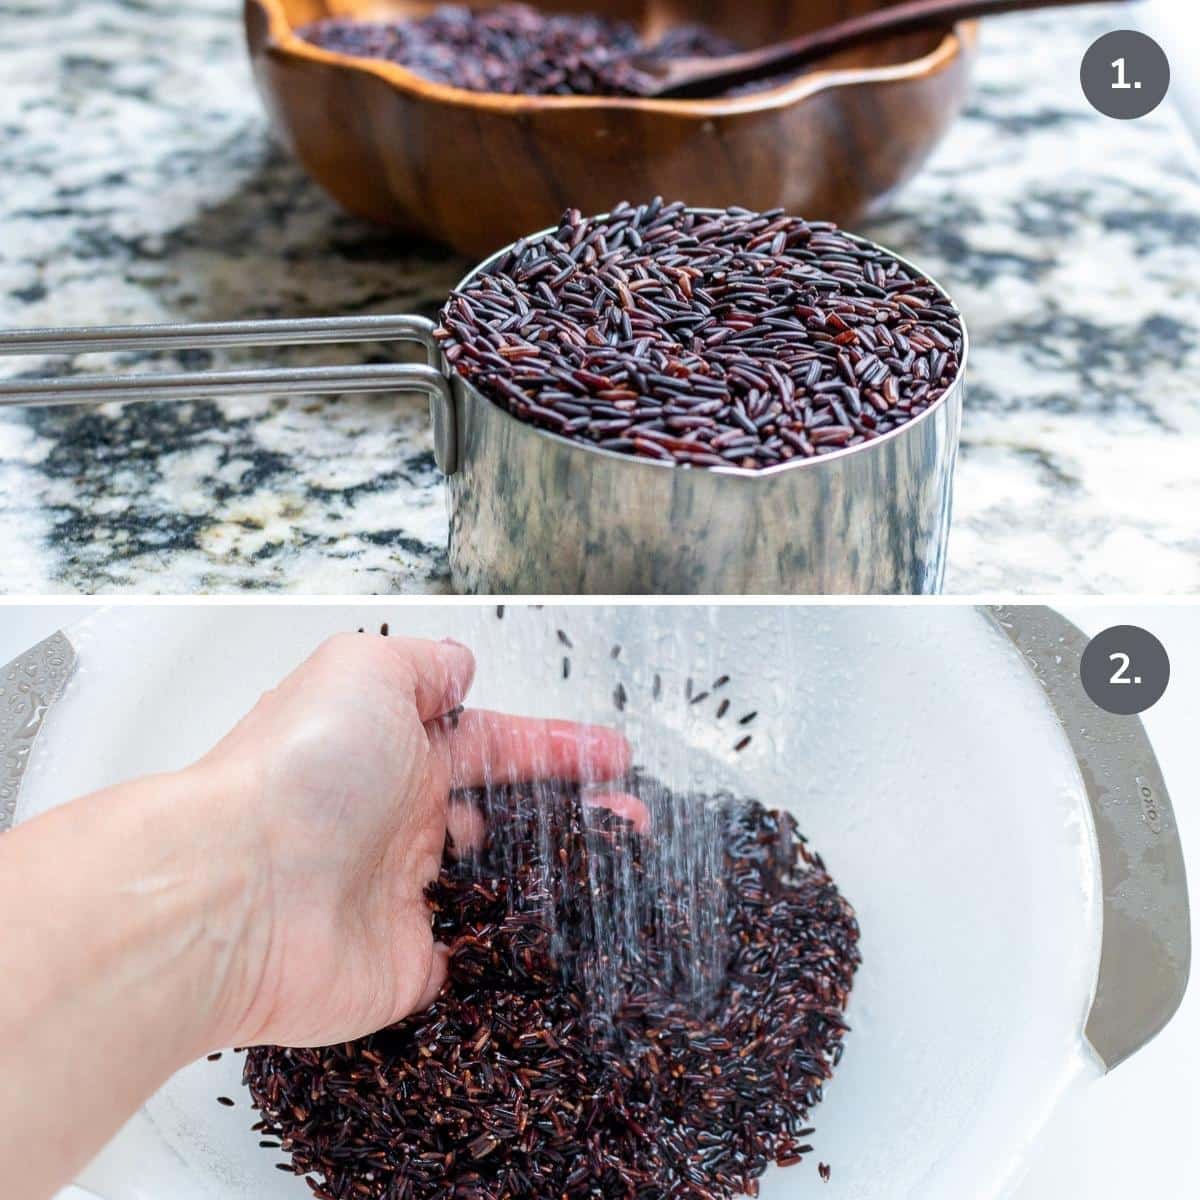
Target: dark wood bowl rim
x=284 y=41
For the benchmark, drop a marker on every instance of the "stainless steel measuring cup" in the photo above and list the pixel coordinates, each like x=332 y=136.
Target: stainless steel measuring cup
x=532 y=512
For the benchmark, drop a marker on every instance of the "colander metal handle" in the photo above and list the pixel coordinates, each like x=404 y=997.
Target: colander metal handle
x=1145 y=952
x=29 y=686
x=190 y=385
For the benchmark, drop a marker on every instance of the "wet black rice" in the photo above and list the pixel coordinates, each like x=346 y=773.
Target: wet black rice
x=512 y=1087
x=735 y=339
x=517 y=50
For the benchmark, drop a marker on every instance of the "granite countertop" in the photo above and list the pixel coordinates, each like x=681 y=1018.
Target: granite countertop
x=141 y=184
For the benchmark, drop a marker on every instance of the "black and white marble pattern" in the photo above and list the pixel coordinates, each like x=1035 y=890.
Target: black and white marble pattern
x=140 y=184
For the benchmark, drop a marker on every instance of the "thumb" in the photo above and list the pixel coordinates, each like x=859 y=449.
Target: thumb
x=440 y=673
x=439 y=968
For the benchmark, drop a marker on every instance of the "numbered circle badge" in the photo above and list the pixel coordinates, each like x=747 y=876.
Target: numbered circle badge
x=1125 y=74
x=1125 y=670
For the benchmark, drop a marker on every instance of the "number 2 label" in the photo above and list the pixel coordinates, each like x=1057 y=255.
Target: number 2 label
x=1119 y=676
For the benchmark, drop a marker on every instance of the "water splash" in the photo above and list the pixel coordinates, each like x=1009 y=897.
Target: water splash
x=662 y=898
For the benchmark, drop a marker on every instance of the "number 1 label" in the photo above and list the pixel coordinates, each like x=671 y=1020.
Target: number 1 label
x=1122 y=85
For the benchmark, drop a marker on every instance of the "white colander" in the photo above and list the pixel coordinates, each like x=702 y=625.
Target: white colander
x=988 y=823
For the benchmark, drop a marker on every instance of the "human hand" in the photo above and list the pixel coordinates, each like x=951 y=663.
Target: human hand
x=337 y=784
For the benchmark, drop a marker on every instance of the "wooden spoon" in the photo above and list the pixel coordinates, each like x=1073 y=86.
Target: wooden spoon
x=693 y=78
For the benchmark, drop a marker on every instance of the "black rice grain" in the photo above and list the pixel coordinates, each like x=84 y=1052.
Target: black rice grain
x=516 y=50
x=734 y=339
x=512 y=1086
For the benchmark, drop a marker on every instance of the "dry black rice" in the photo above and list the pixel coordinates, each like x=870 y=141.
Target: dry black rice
x=517 y=50
x=705 y=339
x=513 y=1086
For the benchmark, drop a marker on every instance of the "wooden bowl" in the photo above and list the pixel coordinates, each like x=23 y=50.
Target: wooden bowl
x=478 y=170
